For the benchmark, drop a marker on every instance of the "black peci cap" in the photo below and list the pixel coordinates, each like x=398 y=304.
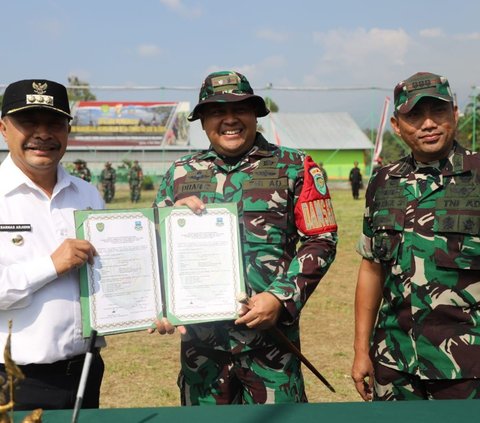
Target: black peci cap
x=35 y=94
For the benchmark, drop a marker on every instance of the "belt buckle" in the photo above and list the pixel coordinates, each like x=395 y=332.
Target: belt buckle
x=69 y=368
x=74 y=361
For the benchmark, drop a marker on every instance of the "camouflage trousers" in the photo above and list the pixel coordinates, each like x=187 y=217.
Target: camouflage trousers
x=261 y=376
x=135 y=189
x=108 y=191
x=393 y=385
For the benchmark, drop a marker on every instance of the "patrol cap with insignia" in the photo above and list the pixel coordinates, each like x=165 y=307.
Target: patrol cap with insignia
x=35 y=94
x=225 y=87
x=422 y=84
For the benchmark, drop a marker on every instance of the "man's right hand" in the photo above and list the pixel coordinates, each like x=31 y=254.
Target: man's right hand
x=193 y=203
x=163 y=327
x=71 y=254
x=363 y=375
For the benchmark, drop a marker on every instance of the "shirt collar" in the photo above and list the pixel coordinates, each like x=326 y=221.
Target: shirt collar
x=452 y=165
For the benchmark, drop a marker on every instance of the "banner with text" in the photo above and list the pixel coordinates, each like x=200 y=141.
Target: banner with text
x=108 y=123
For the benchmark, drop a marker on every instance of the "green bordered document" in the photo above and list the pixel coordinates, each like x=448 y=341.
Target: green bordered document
x=160 y=262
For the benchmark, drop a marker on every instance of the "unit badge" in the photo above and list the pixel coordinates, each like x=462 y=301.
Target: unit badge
x=319 y=180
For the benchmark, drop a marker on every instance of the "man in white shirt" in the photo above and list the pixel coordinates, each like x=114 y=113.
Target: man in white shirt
x=39 y=254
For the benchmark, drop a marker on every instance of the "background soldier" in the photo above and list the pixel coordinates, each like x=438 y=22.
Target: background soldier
x=421 y=252
x=108 y=176
x=135 y=179
x=275 y=188
x=355 y=178
x=323 y=170
x=81 y=170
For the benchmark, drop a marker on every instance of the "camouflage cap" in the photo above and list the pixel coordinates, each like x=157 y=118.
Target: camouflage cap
x=35 y=94
x=224 y=87
x=422 y=84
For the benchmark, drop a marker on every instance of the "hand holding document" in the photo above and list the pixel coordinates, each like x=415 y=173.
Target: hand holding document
x=160 y=262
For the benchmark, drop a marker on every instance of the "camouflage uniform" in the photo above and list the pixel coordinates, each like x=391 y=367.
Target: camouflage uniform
x=423 y=225
x=86 y=175
x=135 y=178
x=282 y=199
x=108 y=176
x=82 y=172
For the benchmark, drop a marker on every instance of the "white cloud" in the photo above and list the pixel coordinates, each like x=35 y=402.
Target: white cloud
x=179 y=7
x=270 y=35
x=361 y=45
x=431 y=33
x=473 y=36
x=359 y=55
x=273 y=62
x=148 y=50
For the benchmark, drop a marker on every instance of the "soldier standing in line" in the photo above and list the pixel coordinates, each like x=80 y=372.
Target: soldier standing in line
x=417 y=329
x=135 y=179
x=108 y=176
x=287 y=251
x=81 y=170
x=86 y=172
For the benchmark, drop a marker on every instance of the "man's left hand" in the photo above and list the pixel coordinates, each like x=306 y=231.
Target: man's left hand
x=262 y=311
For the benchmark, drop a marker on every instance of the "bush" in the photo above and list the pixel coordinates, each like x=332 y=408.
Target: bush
x=147 y=183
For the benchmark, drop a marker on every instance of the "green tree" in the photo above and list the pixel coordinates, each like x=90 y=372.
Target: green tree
x=272 y=106
x=79 y=90
x=466 y=123
x=393 y=148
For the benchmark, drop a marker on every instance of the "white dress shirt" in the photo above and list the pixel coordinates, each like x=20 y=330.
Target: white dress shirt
x=44 y=308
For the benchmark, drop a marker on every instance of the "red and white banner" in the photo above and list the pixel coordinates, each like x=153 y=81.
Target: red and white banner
x=381 y=127
x=274 y=130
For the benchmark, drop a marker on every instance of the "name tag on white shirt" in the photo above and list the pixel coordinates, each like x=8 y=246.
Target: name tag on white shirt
x=15 y=227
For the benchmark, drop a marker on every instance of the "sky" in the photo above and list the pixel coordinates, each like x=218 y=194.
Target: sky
x=307 y=55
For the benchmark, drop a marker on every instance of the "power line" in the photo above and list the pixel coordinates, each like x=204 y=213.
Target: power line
x=269 y=87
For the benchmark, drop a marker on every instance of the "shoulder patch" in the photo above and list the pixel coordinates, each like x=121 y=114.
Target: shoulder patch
x=318 y=179
x=314 y=211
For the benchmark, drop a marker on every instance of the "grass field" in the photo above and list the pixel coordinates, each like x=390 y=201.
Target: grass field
x=142 y=369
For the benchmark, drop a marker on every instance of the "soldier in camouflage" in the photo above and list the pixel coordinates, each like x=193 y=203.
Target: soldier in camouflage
x=108 y=177
x=135 y=179
x=81 y=170
x=289 y=241
x=417 y=330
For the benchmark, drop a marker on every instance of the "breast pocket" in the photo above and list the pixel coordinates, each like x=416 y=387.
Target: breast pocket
x=15 y=247
x=265 y=216
x=457 y=240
